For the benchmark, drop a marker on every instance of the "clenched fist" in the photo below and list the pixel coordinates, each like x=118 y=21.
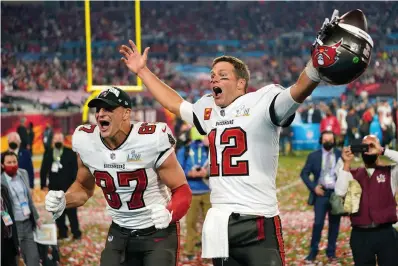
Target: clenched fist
x=55 y=203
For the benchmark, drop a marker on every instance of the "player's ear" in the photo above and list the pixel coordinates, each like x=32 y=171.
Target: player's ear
x=241 y=84
x=127 y=114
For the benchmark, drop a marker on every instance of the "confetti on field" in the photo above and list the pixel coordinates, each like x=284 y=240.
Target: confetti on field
x=297 y=219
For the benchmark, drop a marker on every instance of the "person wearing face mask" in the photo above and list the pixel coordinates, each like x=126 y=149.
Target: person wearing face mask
x=373 y=235
x=59 y=166
x=24 y=156
x=323 y=164
x=25 y=215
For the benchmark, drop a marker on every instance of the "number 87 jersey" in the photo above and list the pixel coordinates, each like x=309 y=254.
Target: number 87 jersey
x=244 y=147
x=127 y=175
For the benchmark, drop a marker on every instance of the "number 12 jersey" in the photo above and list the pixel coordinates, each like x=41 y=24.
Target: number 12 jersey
x=244 y=148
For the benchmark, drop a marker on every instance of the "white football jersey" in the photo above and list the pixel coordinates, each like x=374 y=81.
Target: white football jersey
x=127 y=175
x=244 y=147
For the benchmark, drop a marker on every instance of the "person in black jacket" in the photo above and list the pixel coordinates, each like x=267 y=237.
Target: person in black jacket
x=59 y=165
x=31 y=135
x=9 y=235
x=23 y=133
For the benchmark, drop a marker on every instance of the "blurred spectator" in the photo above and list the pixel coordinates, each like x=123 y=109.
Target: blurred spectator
x=352 y=126
x=23 y=134
x=59 y=165
x=25 y=213
x=367 y=118
x=9 y=235
x=24 y=156
x=330 y=123
x=385 y=117
x=193 y=158
x=322 y=164
x=47 y=137
x=184 y=136
x=286 y=136
x=312 y=115
x=375 y=127
x=31 y=137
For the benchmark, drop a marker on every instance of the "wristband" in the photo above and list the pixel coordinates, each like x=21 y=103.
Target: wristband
x=312 y=73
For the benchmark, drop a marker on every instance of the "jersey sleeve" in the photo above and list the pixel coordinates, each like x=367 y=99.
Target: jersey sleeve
x=165 y=143
x=77 y=139
x=202 y=110
x=279 y=106
x=81 y=140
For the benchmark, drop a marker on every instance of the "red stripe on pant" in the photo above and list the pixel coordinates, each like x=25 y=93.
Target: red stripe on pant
x=279 y=237
x=178 y=243
x=260 y=228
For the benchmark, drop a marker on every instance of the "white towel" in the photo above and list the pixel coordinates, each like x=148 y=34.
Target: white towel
x=215 y=234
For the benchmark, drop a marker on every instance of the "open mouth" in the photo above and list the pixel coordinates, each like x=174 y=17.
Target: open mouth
x=217 y=91
x=104 y=125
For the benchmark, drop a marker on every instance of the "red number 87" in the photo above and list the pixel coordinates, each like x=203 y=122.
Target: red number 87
x=106 y=182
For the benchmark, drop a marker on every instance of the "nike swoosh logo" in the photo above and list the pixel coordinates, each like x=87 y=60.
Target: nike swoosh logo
x=158 y=239
x=164 y=129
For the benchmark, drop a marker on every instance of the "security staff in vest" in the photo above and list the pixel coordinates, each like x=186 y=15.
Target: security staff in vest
x=373 y=235
x=60 y=167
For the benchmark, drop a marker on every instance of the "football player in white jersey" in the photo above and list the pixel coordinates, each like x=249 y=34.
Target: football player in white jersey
x=243 y=226
x=136 y=168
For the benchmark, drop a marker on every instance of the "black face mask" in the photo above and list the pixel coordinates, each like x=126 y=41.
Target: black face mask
x=13 y=145
x=369 y=159
x=328 y=145
x=58 y=145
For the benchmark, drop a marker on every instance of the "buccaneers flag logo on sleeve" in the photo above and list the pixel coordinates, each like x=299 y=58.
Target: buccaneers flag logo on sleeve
x=326 y=56
x=207 y=113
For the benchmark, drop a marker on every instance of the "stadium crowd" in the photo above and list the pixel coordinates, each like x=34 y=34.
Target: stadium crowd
x=176 y=33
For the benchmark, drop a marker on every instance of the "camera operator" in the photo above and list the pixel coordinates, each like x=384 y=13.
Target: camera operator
x=373 y=234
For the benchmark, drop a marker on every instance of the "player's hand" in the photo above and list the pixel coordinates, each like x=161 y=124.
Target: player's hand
x=132 y=58
x=310 y=69
x=335 y=16
x=347 y=155
x=161 y=217
x=319 y=191
x=55 y=203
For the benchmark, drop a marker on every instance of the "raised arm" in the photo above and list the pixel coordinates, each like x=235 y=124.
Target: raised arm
x=287 y=102
x=136 y=62
x=344 y=175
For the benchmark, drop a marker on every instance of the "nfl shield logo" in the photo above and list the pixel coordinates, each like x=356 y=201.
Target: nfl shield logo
x=222 y=112
x=113 y=156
